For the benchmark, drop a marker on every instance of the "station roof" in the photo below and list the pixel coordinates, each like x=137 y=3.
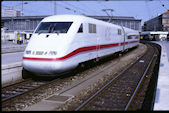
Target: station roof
x=24 y=17
x=155 y=32
x=96 y=17
x=115 y=17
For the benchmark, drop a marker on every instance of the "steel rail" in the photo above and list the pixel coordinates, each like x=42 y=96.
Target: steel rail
x=19 y=93
x=43 y=85
x=15 y=84
x=89 y=99
x=145 y=72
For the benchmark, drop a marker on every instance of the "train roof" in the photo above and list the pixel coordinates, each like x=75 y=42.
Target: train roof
x=63 y=18
x=68 y=18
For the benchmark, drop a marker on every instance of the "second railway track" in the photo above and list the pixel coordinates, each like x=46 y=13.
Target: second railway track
x=119 y=92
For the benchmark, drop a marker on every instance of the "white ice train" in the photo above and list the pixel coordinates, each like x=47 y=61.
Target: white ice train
x=60 y=43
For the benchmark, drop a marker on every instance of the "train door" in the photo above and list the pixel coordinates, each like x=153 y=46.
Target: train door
x=97 y=46
x=124 y=37
x=98 y=41
x=92 y=40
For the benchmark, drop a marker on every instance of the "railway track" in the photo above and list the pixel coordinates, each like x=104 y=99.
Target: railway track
x=31 y=88
x=16 y=96
x=120 y=92
x=14 y=91
x=20 y=88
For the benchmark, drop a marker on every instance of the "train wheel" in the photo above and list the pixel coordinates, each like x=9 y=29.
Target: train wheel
x=82 y=65
x=97 y=60
x=25 y=74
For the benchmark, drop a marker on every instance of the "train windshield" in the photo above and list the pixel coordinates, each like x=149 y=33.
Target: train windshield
x=53 y=27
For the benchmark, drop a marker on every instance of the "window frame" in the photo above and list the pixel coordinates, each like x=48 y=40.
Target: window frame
x=92 y=28
x=119 y=31
x=80 y=30
x=51 y=27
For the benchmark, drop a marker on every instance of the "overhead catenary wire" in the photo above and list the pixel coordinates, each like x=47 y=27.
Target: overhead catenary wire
x=71 y=9
x=39 y=11
x=86 y=11
x=94 y=11
x=163 y=5
x=108 y=9
x=100 y=3
x=80 y=9
x=105 y=7
x=77 y=8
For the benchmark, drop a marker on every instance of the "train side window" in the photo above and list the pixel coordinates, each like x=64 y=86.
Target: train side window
x=119 y=31
x=129 y=37
x=80 y=29
x=92 y=28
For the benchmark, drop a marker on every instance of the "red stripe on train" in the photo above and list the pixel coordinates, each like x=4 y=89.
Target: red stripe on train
x=77 y=51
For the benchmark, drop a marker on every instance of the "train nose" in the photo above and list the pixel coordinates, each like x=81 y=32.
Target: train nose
x=42 y=67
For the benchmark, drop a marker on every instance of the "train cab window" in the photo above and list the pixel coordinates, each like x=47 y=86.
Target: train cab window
x=119 y=31
x=92 y=28
x=80 y=29
x=53 y=27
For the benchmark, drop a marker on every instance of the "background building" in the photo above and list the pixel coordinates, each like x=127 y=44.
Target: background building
x=29 y=23
x=159 y=23
x=129 y=22
x=21 y=23
x=25 y=25
x=10 y=13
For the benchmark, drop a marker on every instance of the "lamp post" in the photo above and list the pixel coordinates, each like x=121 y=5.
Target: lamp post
x=22 y=6
x=54 y=7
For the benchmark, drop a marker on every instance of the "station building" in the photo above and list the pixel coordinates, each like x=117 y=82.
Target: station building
x=159 y=23
x=10 y=13
x=156 y=28
x=27 y=24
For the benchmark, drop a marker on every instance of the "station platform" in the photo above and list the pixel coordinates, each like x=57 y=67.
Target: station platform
x=162 y=91
x=9 y=56
x=11 y=63
x=9 y=47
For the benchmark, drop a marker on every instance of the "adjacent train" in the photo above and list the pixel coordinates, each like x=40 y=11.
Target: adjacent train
x=60 y=43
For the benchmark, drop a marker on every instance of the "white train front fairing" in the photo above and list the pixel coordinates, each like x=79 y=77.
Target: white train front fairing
x=45 y=52
x=42 y=54
x=60 y=43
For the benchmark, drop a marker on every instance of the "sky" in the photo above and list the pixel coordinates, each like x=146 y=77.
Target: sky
x=139 y=9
